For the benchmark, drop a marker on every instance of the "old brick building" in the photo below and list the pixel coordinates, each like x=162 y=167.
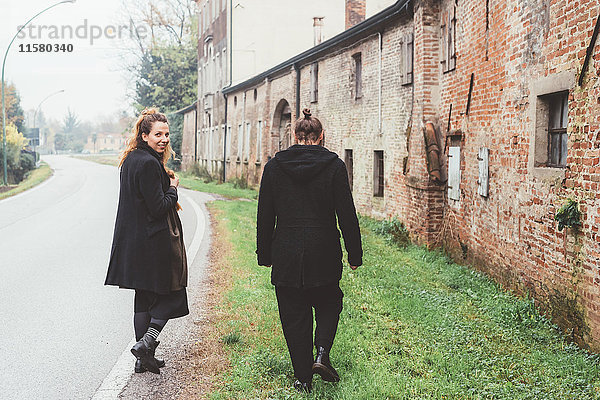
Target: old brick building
x=234 y=44
x=466 y=120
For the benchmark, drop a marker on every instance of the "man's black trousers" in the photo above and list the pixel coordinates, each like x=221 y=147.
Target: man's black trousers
x=295 y=312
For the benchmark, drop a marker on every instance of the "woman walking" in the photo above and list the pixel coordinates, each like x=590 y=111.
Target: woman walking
x=148 y=254
x=302 y=191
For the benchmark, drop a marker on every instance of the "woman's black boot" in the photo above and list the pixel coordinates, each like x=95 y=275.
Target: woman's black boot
x=144 y=350
x=323 y=367
x=139 y=368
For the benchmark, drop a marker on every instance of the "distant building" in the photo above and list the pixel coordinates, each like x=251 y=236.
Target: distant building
x=105 y=143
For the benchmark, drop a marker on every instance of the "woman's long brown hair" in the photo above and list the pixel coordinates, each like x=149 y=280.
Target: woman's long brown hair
x=144 y=125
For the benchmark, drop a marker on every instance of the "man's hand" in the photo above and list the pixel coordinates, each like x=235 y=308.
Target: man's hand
x=268 y=266
x=353 y=267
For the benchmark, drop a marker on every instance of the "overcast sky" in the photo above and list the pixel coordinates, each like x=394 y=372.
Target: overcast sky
x=90 y=75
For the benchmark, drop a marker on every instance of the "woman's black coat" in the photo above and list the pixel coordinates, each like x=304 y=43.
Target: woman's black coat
x=141 y=252
x=302 y=190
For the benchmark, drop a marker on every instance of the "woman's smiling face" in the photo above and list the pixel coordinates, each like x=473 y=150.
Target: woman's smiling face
x=158 y=138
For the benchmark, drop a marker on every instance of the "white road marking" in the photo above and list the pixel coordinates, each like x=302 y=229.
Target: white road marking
x=119 y=375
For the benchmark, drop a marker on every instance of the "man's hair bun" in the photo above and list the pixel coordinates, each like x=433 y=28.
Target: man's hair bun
x=306 y=113
x=149 y=111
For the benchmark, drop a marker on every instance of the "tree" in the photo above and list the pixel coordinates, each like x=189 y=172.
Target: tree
x=61 y=141
x=14 y=112
x=167 y=78
x=18 y=162
x=165 y=71
x=70 y=122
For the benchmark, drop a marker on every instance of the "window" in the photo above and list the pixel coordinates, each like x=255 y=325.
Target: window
x=210 y=143
x=314 y=82
x=259 y=133
x=206 y=135
x=223 y=2
x=407 y=50
x=240 y=141
x=378 y=171
x=214 y=11
x=448 y=40
x=348 y=159
x=551 y=121
x=557 y=129
x=228 y=143
x=357 y=75
x=454 y=173
x=247 y=142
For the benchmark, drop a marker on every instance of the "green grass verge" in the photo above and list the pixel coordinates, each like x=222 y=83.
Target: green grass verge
x=33 y=178
x=226 y=189
x=106 y=159
x=187 y=180
x=415 y=325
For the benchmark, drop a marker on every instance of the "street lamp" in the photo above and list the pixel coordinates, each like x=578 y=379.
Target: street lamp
x=3 y=102
x=42 y=102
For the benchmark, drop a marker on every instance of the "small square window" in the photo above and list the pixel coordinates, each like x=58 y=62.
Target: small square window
x=551 y=130
x=557 y=130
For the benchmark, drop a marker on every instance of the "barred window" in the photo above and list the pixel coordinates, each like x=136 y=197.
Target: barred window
x=557 y=129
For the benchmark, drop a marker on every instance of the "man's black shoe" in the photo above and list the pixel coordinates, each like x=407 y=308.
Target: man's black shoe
x=303 y=387
x=323 y=367
x=144 y=350
x=139 y=368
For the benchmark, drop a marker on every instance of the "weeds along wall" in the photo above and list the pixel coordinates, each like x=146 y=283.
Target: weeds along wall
x=474 y=145
x=524 y=56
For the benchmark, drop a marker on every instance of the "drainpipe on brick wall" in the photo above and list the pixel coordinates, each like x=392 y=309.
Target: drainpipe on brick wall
x=196 y=132
x=297 y=69
x=228 y=85
x=379 y=70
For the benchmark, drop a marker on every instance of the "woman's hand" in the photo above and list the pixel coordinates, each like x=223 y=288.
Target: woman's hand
x=174 y=180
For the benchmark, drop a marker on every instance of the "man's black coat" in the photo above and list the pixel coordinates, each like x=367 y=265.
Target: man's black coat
x=302 y=190
x=141 y=252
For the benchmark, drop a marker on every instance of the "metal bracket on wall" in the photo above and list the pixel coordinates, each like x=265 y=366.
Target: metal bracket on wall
x=589 y=51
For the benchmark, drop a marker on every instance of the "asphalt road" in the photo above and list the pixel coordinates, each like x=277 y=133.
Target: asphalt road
x=61 y=329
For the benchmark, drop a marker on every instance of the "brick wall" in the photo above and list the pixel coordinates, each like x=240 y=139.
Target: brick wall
x=529 y=48
x=518 y=52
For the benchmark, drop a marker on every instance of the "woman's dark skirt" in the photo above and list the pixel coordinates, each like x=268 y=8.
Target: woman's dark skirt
x=161 y=306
